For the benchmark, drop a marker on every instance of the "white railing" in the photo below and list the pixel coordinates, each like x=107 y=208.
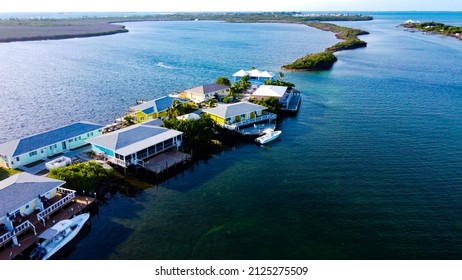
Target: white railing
x=55 y=206
x=117 y=161
x=17 y=230
x=268 y=116
x=64 y=191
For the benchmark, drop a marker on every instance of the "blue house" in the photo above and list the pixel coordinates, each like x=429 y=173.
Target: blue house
x=30 y=149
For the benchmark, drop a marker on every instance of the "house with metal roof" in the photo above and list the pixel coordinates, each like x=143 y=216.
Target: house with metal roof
x=288 y=98
x=135 y=144
x=30 y=149
x=24 y=194
x=256 y=77
x=236 y=115
x=205 y=92
x=154 y=109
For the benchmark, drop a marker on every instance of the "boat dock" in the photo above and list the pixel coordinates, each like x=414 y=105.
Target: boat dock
x=165 y=161
x=294 y=103
x=29 y=237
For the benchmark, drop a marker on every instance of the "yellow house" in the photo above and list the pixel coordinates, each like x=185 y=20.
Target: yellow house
x=154 y=109
x=239 y=114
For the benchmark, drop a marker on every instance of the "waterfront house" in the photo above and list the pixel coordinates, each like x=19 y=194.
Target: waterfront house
x=135 y=144
x=26 y=199
x=154 y=109
x=205 y=92
x=30 y=149
x=289 y=99
x=256 y=77
x=236 y=115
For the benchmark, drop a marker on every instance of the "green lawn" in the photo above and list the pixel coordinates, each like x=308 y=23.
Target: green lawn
x=5 y=173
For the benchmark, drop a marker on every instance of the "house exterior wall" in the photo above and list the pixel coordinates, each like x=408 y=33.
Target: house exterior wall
x=142 y=154
x=51 y=149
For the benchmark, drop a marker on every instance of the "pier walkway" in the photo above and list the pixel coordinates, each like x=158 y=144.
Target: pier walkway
x=165 y=161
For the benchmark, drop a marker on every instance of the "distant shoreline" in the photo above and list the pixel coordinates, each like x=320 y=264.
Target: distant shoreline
x=20 y=30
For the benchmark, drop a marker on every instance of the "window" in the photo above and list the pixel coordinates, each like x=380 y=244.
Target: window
x=41 y=151
x=34 y=153
x=56 y=146
x=141 y=118
x=75 y=139
x=17 y=159
x=71 y=140
x=91 y=133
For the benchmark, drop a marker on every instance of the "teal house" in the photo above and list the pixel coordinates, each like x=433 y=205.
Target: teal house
x=137 y=143
x=30 y=149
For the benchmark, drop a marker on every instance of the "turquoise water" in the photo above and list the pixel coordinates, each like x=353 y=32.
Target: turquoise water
x=370 y=167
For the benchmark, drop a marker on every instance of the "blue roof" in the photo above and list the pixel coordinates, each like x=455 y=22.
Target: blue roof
x=165 y=102
x=22 y=188
x=149 y=110
x=34 y=142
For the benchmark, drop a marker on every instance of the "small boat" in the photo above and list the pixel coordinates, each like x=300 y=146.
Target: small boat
x=54 y=238
x=269 y=135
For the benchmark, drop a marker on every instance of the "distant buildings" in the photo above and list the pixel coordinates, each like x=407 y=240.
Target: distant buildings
x=30 y=149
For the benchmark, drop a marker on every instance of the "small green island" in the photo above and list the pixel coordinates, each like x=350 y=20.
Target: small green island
x=433 y=27
x=326 y=59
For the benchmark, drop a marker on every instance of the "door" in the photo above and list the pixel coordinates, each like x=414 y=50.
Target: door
x=64 y=145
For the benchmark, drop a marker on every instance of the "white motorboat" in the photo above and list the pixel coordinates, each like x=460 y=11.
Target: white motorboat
x=269 y=135
x=54 y=238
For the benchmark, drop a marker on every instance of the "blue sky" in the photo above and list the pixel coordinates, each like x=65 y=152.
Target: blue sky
x=227 y=5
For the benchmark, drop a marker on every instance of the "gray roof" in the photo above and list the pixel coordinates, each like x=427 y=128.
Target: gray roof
x=230 y=110
x=209 y=88
x=134 y=138
x=37 y=141
x=22 y=188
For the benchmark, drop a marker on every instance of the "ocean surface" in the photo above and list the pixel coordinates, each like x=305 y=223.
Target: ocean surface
x=369 y=168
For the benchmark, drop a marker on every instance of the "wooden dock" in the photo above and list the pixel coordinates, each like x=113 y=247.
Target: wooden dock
x=28 y=239
x=165 y=161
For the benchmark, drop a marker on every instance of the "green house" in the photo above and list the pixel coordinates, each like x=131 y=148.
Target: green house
x=30 y=149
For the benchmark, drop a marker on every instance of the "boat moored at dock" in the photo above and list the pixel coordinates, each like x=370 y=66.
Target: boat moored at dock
x=270 y=135
x=54 y=238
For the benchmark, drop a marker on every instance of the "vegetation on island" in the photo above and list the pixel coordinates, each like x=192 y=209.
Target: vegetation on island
x=202 y=136
x=434 y=28
x=89 y=176
x=313 y=62
x=223 y=81
x=326 y=59
x=272 y=103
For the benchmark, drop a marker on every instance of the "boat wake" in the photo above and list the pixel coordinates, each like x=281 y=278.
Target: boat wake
x=166 y=66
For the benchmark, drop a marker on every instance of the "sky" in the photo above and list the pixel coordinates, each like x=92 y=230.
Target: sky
x=7 y=6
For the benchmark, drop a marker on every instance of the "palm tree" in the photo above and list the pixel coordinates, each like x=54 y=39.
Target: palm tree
x=280 y=75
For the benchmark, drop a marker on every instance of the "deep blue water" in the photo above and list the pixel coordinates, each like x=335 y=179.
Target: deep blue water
x=370 y=167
